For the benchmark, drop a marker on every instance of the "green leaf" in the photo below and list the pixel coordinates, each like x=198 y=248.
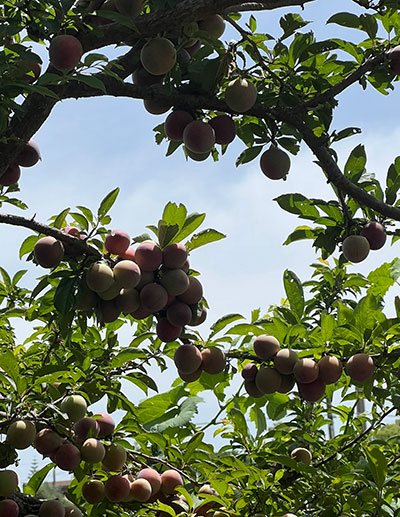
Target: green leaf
x=59 y=220
x=299 y=205
x=28 y=245
x=80 y=219
x=301 y=233
x=174 y=214
x=107 y=203
x=94 y=58
x=92 y=81
x=328 y=324
x=393 y=181
x=204 y=237
x=355 y=165
x=192 y=222
x=37 y=479
x=345 y=20
x=166 y=234
x=378 y=465
x=294 y=292
x=186 y=412
x=65 y=295
x=258 y=417
x=248 y=154
x=223 y=322
x=238 y=421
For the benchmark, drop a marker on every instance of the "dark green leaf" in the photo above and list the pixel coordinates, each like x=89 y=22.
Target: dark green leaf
x=107 y=203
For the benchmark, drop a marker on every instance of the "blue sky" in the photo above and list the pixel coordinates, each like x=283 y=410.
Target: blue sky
x=91 y=146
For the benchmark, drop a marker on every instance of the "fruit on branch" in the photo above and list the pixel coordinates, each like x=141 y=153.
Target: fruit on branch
x=156 y=106
x=301 y=455
x=86 y=427
x=30 y=154
x=152 y=476
x=71 y=511
x=360 y=367
x=193 y=293
x=99 y=277
x=213 y=360
x=8 y=483
x=252 y=390
x=375 y=234
x=11 y=175
x=224 y=128
x=48 y=252
x=129 y=8
x=249 y=372
x=289 y=515
x=175 y=281
x=197 y=157
x=158 y=56
x=394 y=57
x=275 y=163
x=127 y=274
x=116 y=488
x=21 y=434
x=148 y=256
x=115 y=457
x=93 y=491
x=312 y=391
x=106 y=424
x=109 y=311
x=111 y=293
x=52 y=508
x=67 y=457
x=153 y=297
x=47 y=442
x=9 y=508
x=266 y=347
x=129 y=254
x=268 y=380
x=199 y=137
x=191 y=377
x=287 y=383
x=65 y=52
x=240 y=95
x=86 y=298
x=141 y=77
x=140 y=490
x=174 y=126
x=214 y=25
x=179 y=314
x=198 y=317
x=29 y=71
x=355 y=248
x=193 y=49
x=117 y=242
x=305 y=370
x=330 y=369
x=128 y=301
x=75 y=406
x=285 y=360
x=174 y=256
x=187 y=358
x=93 y=451
x=170 y=479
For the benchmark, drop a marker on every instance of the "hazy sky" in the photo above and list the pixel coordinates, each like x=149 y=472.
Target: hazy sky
x=91 y=146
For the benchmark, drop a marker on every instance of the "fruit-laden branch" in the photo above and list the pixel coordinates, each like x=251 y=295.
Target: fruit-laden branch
x=81 y=245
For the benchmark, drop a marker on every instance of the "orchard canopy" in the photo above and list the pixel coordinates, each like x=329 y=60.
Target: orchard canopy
x=303 y=387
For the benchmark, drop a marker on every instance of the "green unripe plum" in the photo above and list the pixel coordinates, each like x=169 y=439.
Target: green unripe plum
x=153 y=477
x=305 y=370
x=360 y=367
x=8 y=483
x=174 y=126
x=224 y=128
x=285 y=360
x=67 y=457
x=289 y=515
x=51 y=508
x=170 y=479
x=140 y=490
x=117 y=242
x=301 y=455
x=99 y=277
x=175 y=282
x=179 y=314
x=214 y=25
x=355 y=248
x=240 y=95
x=93 y=451
x=268 y=380
x=313 y=391
x=213 y=360
x=129 y=8
x=199 y=137
x=93 y=491
x=193 y=293
x=21 y=434
x=111 y=293
x=275 y=163
x=252 y=390
x=65 y=52
x=11 y=175
x=9 y=508
x=47 y=442
x=128 y=301
x=48 y=252
x=265 y=347
x=148 y=256
x=187 y=358
x=141 y=77
x=106 y=424
x=75 y=406
x=330 y=369
x=158 y=56
x=30 y=155
x=115 y=457
x=153 y=297
x=117 y=488
x=156 y=106
x=127 y=274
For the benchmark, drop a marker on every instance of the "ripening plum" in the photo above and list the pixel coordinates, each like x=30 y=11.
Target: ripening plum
x=140 y=490
x=330 y=369
x=199 y=137
x=375 y=234
x=86 y=298
x=170 y=479
x=93 y=451
x=175 y=281
x=174 y=256
x=47 y=442
x=51 y=508
x=355 y=248
x=115 y=457
x=285 y=360
x=65 y=52
x=86 y=427
x=174 y=126
x=146 y=277
x=199 y=316
x=127 y=274
x=99 y=277
x=117 y=242
x=109 y=311
x=394 y=58
x=224 y=128
x=312 y=391
x=197 y=157
x=213 y=360
x=265 y=347
x=287 y=384
x=193 y=49
x=153 y=297
x=249 y=372
x=179 y=314
x=75 y=406
x=148 y=256
x=268 y=380
x=275 y=163
x=111 y=293
x=8 y=483
x=214 y=25
x=116 y=488
x=128 y=301
x=191 y=377
x=131 y=8
x=67 y=457
x=48 y=252
x=141 y=313
x=129 y=254
x=158 y=56
x=305 y=370
x=11 y=175
x=21 y=434
x=72 y=511
x=156 y=106
x=106 y=424
x=252 y=390
x=360 y=367
x=152 y=476
x=141 y=77
x=194 y=292
x=240 y=95
x=29 y=155
x=93 y=491
x=301 y=455
x=9 y=508
x=187 y=358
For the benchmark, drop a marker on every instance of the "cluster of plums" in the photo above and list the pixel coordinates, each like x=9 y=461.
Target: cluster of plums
x=191 y=362
x=28 y=157
x=356 y=248
x=287 y=370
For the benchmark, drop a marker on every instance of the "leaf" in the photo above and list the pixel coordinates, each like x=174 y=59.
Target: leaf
x=238 y=421
x=166 y=234
x=187 y=411
x=301 y=233
x=294 y=292
x=378 y=465
x=258 y=417
x=28 y=245
x=59 y=220
x=65 y=295
x=248 y=154
x=204 y=237
x=174 y=214
x=393 y=181
x=37 y=479
x=192 y=222
x=355 y=165
x=107 y=203
x=223 y=322
x=328 y=324
x=299 y=205
x=345 y=20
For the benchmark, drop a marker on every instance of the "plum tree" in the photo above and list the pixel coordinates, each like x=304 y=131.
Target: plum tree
x=65 y=52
